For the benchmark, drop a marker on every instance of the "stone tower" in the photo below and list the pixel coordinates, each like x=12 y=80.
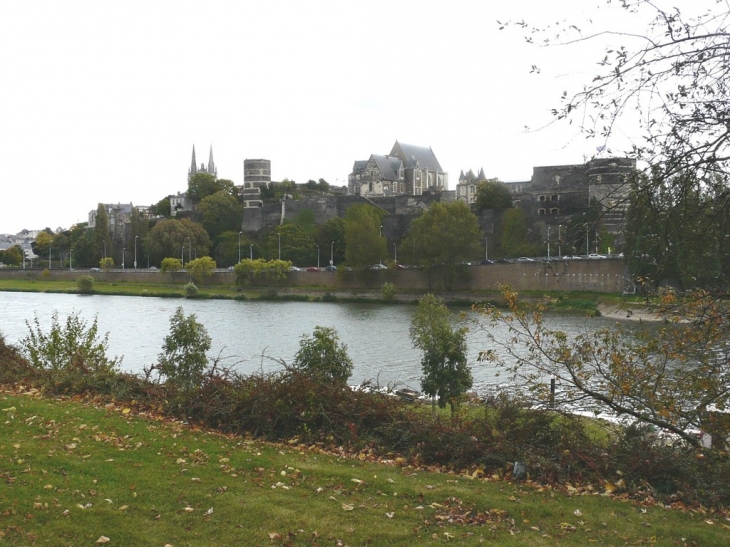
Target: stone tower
x=210 y=168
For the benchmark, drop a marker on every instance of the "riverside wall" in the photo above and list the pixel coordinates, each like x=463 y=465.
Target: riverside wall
x=606 y=276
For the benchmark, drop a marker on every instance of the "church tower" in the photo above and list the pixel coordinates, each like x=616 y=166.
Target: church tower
x=210 y=168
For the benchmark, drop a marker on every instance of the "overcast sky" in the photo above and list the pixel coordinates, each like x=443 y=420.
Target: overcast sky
x=103 y=101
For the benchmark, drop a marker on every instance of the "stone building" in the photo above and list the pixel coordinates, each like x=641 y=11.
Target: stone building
x=211 y=169
x=466 y=188
x=407 y=170
x=181 y=202
x=558 y=191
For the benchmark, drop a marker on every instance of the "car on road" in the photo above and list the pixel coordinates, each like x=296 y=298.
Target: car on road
x=330 y=268
x=378 y=267
x=596 y=256
x=486 y=262
x=95 y=270
x=525 y=259
x=504 y=261
x=313 y=269
x=294 y=269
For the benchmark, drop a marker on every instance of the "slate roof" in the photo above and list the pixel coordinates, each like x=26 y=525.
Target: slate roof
x=416 y=156
x=388 y=166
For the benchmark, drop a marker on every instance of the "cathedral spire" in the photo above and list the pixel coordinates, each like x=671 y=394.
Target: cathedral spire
x=193 y=164
x=211 y=165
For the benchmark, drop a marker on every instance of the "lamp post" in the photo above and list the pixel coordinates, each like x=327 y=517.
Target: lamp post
x=50 y=253
x=135 y=252
x=332 y=254
x=104 y=249
x=182 y=256
x=278 y=234
x=190 y=248
x=395 y=253
x=559 y=241
x=386 y=249
x=70 y=259
x=486 y=248
x=195 y=253
x=548 y=242
x=239 y=246
x=250 y=251
x=123 y=252
x=317 y=256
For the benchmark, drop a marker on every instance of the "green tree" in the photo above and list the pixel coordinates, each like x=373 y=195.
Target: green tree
x=201 y=269
x=170 y=265
x=514 y=233
x=201 y=185
x=183 y=359
x=226 y=248
x=106 y=264
x=42 y=244
x=162 y=207
x=442 y=239
x=323 y=356
x=446 y=374
x=330 y=237
x=493 y=194
x=260 y=271
x=364 y=244
x=102 y=235
x=221 y=212
x=85 y=284
x=172 y=237
x=12 y=256
x=297 y=244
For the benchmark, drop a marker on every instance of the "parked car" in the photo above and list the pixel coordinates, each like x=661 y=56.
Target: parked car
x=486 y=262
x=525 y=259
x=294 y=269
x=504 y=261
x=596 y=256
x=331 y=268
x=231 y=268
x=95 y=270
x=313 y=269
x=378 y=267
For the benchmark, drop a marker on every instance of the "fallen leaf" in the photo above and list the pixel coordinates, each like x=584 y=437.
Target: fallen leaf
x=578 y=513
x=189 y=509
x=347 y=507
x=390 y=515
x=126 y=411
x=124 y=507
x=274 y=535
x=103 y=539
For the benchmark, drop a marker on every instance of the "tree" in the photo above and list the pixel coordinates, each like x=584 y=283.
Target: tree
x=446 y=374
x=667 y=87
x=201 y=185
x=170 y=265
x=260 y=271
x=364 y=244
x=85 y=284
x=162 y=207
x=200 y=269
x=12 y=256
x=172 y=237
x=671 y=376
x=183 y=359
x=330 y=237
x=442 y=239
x=106 y=264
x=221 y=212
x=226 y=248
x=322 y=356
x=42 y=244
x=297 y=244
x=493 y=194
x=102 y=235
x=514 y=233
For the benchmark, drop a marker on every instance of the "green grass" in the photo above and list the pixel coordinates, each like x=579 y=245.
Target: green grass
x=71 y=473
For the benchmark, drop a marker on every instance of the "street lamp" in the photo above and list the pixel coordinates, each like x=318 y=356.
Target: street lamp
x=190 y=247
x=123 y=250
x=250 y=250
x=182 y=256
x=317 y=256
x=386 y=249
x=239 y=246
x=395 y=253
x=50 y=249
x=278 y=234
x=70 y=258
x=559 y=241
x=332 y=254
x=548 y=242
x=486 y=248
x=135 y=252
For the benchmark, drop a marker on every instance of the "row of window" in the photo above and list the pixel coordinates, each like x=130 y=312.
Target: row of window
x=552 y=197
x=553 y=211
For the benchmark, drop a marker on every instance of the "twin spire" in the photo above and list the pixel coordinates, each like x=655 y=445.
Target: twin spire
x=210 y=168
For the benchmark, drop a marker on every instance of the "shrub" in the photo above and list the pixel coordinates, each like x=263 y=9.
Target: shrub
x=191 y=290
x=85 y=284
x=388 y=291
x=183 y=359
x=323 y=356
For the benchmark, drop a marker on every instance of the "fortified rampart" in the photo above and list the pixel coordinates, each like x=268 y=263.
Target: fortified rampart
x=605 y=276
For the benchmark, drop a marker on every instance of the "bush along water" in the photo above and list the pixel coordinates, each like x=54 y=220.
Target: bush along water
x=309 y=402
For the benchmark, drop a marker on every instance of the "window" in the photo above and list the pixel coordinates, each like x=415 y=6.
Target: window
x=554 y=197
x=542 y=198
x=554 y=210
x=541 y=211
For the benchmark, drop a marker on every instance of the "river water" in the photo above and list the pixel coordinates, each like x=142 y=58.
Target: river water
x=250 y=336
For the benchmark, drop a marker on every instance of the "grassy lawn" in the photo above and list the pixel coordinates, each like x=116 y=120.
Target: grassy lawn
x=71 y=473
